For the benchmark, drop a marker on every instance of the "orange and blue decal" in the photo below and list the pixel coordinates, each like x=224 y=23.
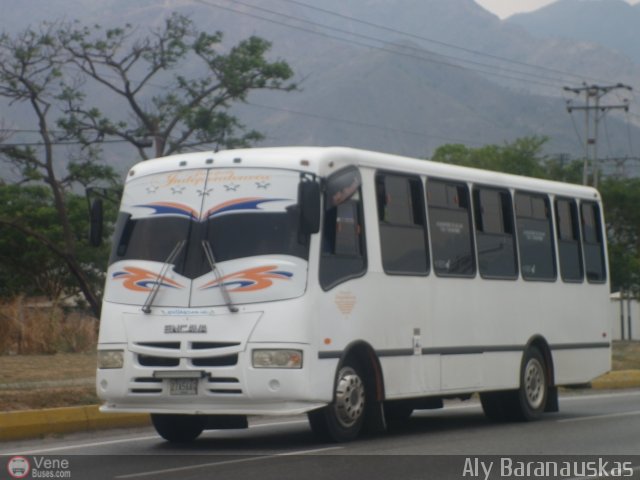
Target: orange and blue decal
x=240 y=204
x=250 y=280
x=141 y=280
x=171 y=208
x=246 y=204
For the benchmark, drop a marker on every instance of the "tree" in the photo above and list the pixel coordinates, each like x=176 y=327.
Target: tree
x=522 y=157
x=31 y=72
x=50 y=69
x=161 y=103
x=621 y=198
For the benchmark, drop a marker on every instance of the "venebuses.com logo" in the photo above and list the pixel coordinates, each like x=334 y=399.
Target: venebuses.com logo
x=18 y=467
x=38 y=467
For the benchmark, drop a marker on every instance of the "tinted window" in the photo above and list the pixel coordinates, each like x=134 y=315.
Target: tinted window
x=568 y=234
x=450 y=225
x=148 y=238
x=592 y=242
x=403 y=235
x=533 y=220
x=230 y=236
x=495 y=233
x=343 y=242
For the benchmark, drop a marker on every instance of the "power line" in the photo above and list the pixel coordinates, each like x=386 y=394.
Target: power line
x=525 y=79
x=437 y=42
x=594 y=93
x=54 y=143
x=361 y=124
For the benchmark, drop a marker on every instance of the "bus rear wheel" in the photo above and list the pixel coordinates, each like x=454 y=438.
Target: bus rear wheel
x=527 y=402
x=178 y=428
x=534 y=386
x=342 y=420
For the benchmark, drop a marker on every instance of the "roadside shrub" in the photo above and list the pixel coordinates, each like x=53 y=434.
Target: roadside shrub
x=29 y=326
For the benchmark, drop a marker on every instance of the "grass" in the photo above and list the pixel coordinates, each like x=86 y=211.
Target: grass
x=27 y=381
x=626 y=356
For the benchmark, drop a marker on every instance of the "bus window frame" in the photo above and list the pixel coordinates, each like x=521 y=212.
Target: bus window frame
x=599 y=218
x=425 y=228
x=575 y=204
x=514 y=234
x=552 y=234
x=328 y=282
x=472 y=238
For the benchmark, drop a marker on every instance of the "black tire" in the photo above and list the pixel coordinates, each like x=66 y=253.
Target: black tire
x=178 y=428
x=342 y=419
x=527 y=402
x=397 y=412
x=534 y=386
x=496 y=405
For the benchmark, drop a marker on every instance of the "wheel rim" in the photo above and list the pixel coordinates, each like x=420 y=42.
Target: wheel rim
x=350 y=397
x=534 y=383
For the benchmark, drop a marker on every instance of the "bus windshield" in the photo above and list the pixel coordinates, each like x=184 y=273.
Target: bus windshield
x=236 y=223
x=231 y=237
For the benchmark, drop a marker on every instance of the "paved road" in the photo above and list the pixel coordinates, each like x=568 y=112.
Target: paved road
x=605 y=425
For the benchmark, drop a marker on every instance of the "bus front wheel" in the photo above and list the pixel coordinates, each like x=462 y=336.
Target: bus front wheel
x=178 y=428
x=341 y=421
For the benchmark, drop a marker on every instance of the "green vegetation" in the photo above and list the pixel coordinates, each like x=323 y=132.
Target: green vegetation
x=48 y=71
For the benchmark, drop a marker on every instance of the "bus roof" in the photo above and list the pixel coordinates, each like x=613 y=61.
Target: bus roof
x=323 y=161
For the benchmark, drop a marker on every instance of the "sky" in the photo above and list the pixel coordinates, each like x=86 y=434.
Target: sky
x=505 y=8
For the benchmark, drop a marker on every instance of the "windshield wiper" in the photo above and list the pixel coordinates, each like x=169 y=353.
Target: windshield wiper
x=214 y=268
x=146 y=308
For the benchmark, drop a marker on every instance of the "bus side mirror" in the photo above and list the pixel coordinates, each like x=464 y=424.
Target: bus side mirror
x=309 y=202
x=96 y=216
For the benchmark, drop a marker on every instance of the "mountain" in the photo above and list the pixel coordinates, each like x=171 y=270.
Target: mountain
x=613 y=24
x=431 y=72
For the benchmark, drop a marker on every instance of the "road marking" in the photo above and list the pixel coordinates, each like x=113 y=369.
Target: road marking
x=135 y=439
x=80 y=445
x=598 y=417
x=224 y=462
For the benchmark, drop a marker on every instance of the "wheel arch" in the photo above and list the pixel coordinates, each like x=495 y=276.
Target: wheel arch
x=365 y=355
x=539 y=342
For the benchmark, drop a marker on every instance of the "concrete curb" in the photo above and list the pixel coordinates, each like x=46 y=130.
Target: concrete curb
x=37 y=423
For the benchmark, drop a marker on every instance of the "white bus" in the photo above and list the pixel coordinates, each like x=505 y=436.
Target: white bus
x=349 y=285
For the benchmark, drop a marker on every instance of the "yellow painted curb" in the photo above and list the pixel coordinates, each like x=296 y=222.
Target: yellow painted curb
x=36 y=423
x=618 y=379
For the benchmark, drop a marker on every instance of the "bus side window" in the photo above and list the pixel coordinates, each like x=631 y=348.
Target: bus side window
x=568 y=234
x=495 y=234
x=533 y=220
x=403 y=232
x=592 y=242
x=343 y=240
x=450 y=225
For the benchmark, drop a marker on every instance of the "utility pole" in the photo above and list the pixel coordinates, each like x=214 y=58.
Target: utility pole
x=593 y=95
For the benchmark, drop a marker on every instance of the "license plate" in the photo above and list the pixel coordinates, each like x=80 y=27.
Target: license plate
x=183 y=386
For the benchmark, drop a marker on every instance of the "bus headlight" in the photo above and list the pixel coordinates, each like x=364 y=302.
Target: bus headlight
x=110 y=358
x=277 y=358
